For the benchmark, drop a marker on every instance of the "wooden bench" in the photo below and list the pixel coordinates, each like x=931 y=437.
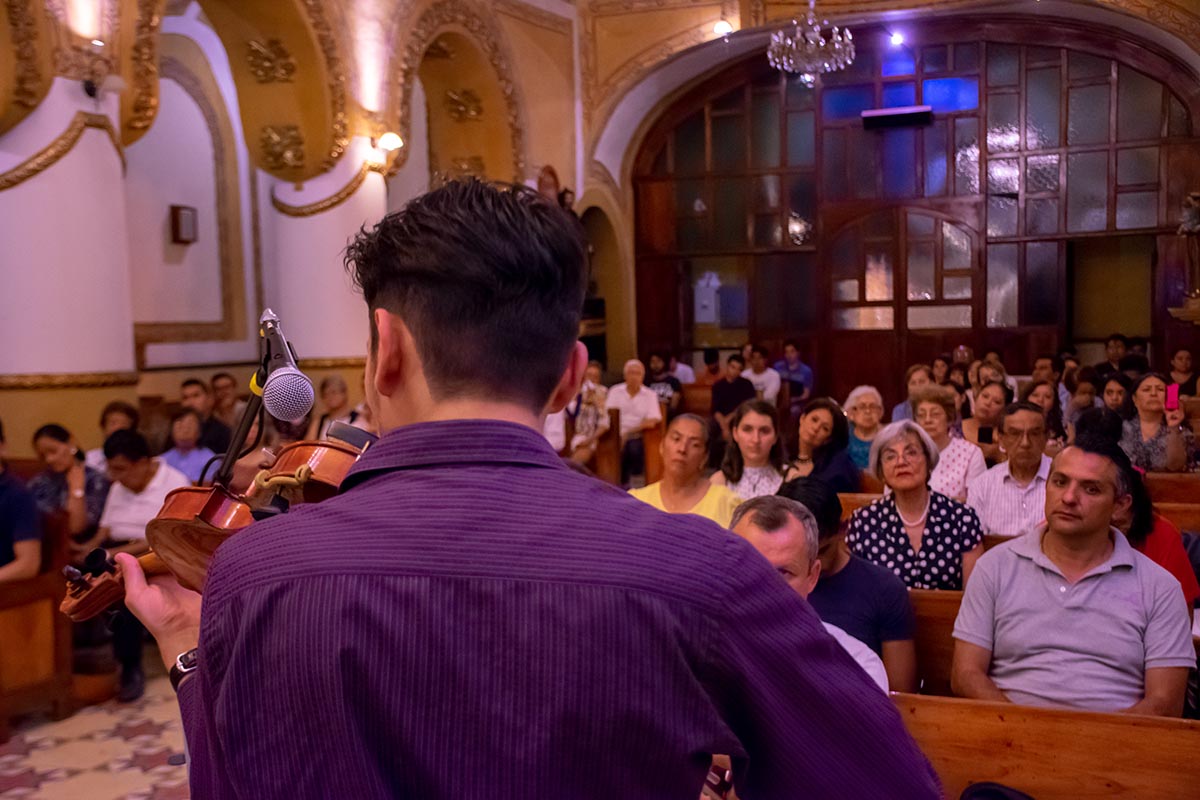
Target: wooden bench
x=1173 y=487
x=606 y=462
x=24 y=468
x=35 y=640
x=854 y=501
x=1185 y=516
x=652 y=443
x=697 y=399
x=935 y=612
x=1054 y=754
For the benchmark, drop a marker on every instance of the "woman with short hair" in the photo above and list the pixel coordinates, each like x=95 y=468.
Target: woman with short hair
x=864 y=408
x=958 y=460
x=1155 y=439
x=755 y=464
x=926 y=539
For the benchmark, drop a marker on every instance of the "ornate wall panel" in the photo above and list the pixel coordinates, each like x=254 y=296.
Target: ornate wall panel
x=140 y=25
x=47 y=156
x=26 y=59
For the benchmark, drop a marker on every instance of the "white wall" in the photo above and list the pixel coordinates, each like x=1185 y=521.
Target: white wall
x=413 y=178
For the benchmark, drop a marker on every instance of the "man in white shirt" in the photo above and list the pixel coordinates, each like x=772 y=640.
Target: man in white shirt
x=766 y=380
x=139 y=486
x=681 y=371
x=639 y=412
x=786 y=534
x=1010 y=498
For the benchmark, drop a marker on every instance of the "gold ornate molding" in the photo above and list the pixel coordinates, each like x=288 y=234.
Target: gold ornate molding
x=463 y=105
x=352 y=362
x=270 y=62
x=335 y=199
x=24 y=35
x=53 y=152
x=327 y=42
x=140 y=105
x=534 y=16
x=282 y=147
x=479 y=25
x=75 y=380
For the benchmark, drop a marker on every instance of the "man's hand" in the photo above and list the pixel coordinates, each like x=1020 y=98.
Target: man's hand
x=170 y=612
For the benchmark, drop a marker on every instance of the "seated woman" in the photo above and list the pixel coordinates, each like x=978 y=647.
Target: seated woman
x=926 y=539
x=1084 y=386
x=68 y=484
x=980 y=428
x=186 y=454
x=915 y=377
x=958 y=460
x=754 y=466
x=1115 y=392
x=822 y=440
x=864 y=407
x=1156 y=440
x=335 y=399
x=1183 y=374
x=1044 y=395
x=941 y=368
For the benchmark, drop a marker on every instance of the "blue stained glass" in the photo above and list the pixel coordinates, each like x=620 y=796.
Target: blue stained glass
x=846 y=102
x=896 y=95
x=898 y=61
x=951 y=94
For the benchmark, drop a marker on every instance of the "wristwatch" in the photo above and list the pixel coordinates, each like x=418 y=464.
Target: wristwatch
x=185 y=664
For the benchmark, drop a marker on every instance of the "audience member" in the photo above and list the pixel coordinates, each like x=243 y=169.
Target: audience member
x=755 y=464
x=20 y=527
x=1155 y=537
x=139 y=486
x=823 y=436
x=664 y=384
x=994 y=372
x=712 y=368
x=1070 y=615
x=767 y=381
x=1102 y=422
x=729 y=393
x=785 y=532
x=980 y=428
x=1156 y=439
x=590 y=414
x=862 y=598
x=1085 y=385
x=1010 y=498
x=926 y=539
x=798 y=374
x=915 y=377
x=681 y=371
x=1134 y=365
x=214 y=434
x=67 y=484
x=683 y=488
x=963 y=355
x=639 y=412
x=1042 y=394
x=1115 y=392
x=226 y=406
x=186 y=454
x=747 y=351
x=116 y=416
x=973 y=380
x=1182 y=373
x=864 y=408
x=1114 y=349
x=958 y=460
x=335 y=400
x=940 y=366
x=962 y=386
x=1049 y=367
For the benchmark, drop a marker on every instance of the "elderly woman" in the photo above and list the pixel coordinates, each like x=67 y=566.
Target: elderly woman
x=821 y=447
x=980 y=428
x=958 y=460
x=928 y=540
x=67 y=484
x=754 y=466
x=864 y=407
x=1155 y=439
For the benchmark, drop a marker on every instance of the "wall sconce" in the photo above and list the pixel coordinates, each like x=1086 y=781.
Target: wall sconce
x=388 y=142
x=722 y=28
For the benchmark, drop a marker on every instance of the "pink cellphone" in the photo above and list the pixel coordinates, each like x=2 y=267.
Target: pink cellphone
x=1172 y=397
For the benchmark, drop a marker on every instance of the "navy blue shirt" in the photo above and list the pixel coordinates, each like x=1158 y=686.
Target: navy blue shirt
x=866 y=601
x=19 y=518
x=470 y=618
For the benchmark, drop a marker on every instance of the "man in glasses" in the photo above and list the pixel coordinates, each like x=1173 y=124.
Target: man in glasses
x=1010 y=497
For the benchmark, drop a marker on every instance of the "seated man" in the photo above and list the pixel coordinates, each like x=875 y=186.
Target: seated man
x=712 y=368
x=785 y=532
x=729 y=393
x=668 y=388
x=639 y=412
x=1010 y=498
x=860 y=597
x=681 y=371
x=20 y=527
x=798 y=374
x=214 y=434
x=1071 y=615
x=683 y=488
x=766 y=381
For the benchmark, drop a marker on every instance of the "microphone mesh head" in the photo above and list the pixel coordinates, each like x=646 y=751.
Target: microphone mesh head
x=288 y=394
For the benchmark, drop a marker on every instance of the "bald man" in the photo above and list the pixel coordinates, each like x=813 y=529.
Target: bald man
x=639 y=412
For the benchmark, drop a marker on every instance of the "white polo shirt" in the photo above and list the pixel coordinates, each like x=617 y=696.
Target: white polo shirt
x=126 y=513
x=636 y=410
x=767 y=382
x=1005 y=507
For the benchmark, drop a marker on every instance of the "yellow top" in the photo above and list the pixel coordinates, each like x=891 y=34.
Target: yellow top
x=717 y=504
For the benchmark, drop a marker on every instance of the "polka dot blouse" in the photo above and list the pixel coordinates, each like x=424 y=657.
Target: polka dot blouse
x=951 y=529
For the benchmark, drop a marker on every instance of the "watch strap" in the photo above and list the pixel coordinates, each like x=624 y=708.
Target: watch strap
x=185 y=664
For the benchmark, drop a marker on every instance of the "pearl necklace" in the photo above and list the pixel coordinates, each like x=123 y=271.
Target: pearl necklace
x=919 y=520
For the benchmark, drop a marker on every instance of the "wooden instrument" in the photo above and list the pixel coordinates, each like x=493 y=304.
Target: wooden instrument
x=90 y=594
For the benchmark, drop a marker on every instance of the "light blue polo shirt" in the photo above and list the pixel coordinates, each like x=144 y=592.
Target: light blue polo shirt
x=1085 y=645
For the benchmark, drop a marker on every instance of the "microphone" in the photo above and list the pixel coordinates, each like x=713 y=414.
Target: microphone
x=287 y=392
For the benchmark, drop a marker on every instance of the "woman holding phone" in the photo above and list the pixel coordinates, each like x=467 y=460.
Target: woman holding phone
x=979 y=428
x=1156 y=438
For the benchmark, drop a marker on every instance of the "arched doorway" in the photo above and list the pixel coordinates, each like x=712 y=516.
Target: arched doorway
x=606 y=279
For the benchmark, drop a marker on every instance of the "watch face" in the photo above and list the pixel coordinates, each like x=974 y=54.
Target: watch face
x=187 y=661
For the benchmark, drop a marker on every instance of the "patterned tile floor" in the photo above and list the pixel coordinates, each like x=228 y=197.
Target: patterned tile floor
x=111 y=751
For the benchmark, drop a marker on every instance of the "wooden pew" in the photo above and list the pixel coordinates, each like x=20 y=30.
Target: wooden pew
x=1185 y=516
x=697 y=399
x=35 y=640
x=606 y=463
x=990 y=540
x=652 y=442
x=935 y=612
x=1054 y=754
x=24 y=468
x=855 y=501
x=1173 y=487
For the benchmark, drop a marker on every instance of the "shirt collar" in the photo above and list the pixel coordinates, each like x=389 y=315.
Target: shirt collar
x=1030 y=546
x=459 y=442
x=1043 y=472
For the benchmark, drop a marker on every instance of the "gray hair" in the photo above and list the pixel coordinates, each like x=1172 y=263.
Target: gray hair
x=770 y=512
x=895 y=432
x=858 y=393
x=699 y=420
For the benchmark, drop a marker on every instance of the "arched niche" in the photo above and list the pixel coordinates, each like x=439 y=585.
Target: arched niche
x=608 y=275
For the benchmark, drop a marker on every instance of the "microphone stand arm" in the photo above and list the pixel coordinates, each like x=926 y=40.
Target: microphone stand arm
x=249 y=414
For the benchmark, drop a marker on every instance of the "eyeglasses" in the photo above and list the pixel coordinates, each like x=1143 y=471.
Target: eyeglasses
x=1031 y=435
x=911 y=454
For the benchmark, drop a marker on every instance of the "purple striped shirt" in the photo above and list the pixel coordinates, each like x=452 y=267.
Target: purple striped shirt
x=471 y=619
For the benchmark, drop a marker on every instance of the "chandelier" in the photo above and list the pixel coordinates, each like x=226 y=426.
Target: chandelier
x=807 y=51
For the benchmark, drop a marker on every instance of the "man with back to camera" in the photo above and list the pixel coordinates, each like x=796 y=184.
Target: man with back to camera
x=491 y=623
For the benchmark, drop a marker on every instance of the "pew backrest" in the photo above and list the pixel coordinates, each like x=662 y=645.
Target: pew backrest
x=606 y=463
x=851 y=502
x=935 y=611
x=1054 y=754
x=1173 y=487
x=1185 y=516
x=697 y=399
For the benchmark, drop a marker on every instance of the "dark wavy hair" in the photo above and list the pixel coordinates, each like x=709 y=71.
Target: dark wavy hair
x=59 y=434
x=732 y=466
x=839 y=438
x=1054 y=417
